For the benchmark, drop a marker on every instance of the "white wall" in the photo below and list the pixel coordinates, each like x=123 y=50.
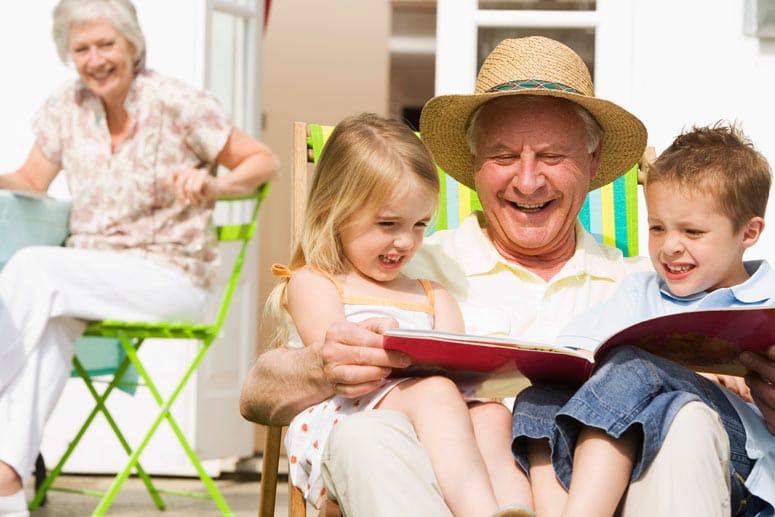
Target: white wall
x=31 y=69
x=693 y=64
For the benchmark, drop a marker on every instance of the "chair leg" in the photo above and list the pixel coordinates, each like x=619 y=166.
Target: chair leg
x=40 y=475
x=164 y=406
x=47 y=481
x=269 y=467
x=297 y=506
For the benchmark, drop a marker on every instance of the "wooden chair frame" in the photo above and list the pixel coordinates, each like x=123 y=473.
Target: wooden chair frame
x=306 y=148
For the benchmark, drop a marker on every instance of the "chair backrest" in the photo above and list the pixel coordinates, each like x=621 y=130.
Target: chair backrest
x=610 y=213
x=242 y=232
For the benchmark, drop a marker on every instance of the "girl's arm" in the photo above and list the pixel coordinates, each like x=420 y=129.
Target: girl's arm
x=314 y=304
x=447 y=316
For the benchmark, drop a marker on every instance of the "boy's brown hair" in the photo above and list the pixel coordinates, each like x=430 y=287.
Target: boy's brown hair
x=721 y=161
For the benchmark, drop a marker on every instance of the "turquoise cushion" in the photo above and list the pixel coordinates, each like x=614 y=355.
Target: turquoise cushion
x=30 y=219
x=27 y=220
x=102 y=356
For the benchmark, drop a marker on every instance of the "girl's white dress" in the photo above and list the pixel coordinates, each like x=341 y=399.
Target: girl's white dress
x=308 y=432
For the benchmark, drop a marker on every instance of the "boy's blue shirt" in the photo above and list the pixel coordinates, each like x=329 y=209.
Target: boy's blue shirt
x=644 y=295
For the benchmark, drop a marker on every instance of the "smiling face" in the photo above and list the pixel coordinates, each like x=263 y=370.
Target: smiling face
x=104 y=59
x=693 y=246
x=377 y=245
x=532 y=171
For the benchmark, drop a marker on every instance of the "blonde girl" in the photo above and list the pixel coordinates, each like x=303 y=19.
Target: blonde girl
x=372 y=198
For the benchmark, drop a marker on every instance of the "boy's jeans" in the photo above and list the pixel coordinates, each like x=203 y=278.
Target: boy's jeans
x=630 y=387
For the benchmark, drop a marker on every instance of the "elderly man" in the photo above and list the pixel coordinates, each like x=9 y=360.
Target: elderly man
x=532 y=140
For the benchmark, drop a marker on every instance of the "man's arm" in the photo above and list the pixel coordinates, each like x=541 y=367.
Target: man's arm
x=350 y=362
x=761 y=380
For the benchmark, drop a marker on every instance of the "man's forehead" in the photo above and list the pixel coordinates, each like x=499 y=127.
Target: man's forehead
x=527 y=101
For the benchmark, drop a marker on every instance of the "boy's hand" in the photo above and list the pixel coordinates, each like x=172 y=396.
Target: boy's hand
x=735 y=384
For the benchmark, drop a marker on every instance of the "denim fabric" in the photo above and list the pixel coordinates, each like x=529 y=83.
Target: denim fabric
x=630 y=387
x=535 y=409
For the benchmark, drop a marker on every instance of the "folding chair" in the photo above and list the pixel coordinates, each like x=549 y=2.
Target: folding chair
x=610 y=214
x=131 y=336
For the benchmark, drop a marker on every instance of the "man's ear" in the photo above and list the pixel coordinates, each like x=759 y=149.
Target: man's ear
x=595 y=163
x=752 y=230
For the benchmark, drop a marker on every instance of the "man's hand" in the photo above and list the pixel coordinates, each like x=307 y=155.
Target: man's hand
x=352 y=358
x=761 y=381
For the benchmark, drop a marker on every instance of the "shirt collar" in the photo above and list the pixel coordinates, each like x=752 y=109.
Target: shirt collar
x=759 y=287
x=590 y=258
x=477 y=254
x=474 y=251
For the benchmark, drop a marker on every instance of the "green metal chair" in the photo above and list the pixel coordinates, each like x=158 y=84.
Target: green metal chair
x=131 y=335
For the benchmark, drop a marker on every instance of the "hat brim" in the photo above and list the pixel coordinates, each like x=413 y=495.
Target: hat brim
x=444 y=119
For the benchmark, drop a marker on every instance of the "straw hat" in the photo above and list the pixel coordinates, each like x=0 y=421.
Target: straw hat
x=530 y=66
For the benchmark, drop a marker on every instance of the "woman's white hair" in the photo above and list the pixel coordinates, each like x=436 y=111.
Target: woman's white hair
x=120 y=13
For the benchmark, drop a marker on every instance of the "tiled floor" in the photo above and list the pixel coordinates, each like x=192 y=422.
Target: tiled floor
x=241 y=492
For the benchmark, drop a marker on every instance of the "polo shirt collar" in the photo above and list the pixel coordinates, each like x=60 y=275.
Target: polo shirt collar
x=590 y=258
x=757 y=289
x=477 y=254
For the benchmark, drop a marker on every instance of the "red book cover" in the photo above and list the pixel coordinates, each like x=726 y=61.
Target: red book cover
x=458 y=354
x=707 y=341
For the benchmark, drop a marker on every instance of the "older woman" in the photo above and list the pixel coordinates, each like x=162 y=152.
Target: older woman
x=140 y=151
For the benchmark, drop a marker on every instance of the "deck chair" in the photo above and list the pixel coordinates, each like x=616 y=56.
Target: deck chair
x=131 y=335
x=610 y=214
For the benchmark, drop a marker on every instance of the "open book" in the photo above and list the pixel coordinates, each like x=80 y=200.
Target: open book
x=706 y=341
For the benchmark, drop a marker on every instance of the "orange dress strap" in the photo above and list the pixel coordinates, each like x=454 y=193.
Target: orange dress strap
x=283 y=271
x=429 y=292
x=427 y=308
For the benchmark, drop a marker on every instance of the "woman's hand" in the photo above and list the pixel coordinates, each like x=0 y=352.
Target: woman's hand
x=250 y=163
x=192 y=186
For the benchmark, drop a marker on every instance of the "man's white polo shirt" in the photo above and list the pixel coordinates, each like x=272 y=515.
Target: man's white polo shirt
x=500 y=297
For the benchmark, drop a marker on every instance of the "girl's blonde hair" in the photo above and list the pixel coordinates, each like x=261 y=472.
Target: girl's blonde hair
x=365 y=162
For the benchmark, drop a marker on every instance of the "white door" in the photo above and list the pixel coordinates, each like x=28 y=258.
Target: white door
x=234 y=37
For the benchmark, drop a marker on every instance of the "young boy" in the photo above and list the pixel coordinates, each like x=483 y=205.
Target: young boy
x=706 y=197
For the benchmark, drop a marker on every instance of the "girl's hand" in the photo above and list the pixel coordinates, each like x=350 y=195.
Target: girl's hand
x=193 y=186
